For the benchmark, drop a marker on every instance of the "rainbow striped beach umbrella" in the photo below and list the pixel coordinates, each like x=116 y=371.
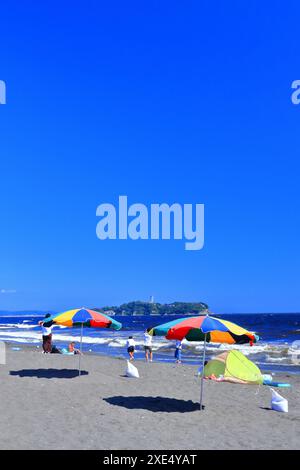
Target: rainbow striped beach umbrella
x=84 y=317
x=204 y=328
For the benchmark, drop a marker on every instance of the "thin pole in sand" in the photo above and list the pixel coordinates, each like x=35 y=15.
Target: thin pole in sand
x=202 y=372
x=81 y=333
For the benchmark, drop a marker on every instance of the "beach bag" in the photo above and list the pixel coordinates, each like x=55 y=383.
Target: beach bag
x=132 y=371
x=278 y=403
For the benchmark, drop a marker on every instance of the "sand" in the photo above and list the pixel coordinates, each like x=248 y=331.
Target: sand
x=45 y=405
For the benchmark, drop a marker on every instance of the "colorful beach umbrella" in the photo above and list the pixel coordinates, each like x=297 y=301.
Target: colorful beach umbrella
x=84 y=317
x=204 y=328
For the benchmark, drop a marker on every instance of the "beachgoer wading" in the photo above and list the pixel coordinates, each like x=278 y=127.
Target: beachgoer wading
x=178 y=349
x=148 y=345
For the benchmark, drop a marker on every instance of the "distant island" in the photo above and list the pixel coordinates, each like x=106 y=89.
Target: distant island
x=138 y=308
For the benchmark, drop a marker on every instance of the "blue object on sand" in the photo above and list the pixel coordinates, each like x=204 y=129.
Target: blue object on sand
x=278 y=384
x=16 y=349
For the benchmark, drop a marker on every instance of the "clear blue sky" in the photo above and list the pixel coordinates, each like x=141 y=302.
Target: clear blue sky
x=163 y=102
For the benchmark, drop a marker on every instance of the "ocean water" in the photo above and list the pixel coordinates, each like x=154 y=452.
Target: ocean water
x=277 y=351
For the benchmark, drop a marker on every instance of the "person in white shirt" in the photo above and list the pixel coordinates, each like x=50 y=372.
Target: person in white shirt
x=47 y=334
x=130 y=347
x=148 y=345
x=178 y=349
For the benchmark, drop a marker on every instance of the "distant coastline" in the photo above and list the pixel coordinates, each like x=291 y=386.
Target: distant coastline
x=134 y=308
x=139 y=308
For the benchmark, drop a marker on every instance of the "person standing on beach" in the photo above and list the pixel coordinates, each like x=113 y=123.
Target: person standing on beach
x=178 y=349
x=130 y=347
x=148 y=345
x=47 y=334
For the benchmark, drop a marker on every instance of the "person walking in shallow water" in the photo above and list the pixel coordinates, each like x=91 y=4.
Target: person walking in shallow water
x=130 y=347
x=47 y=334
x=178 y=349
x=148 y=345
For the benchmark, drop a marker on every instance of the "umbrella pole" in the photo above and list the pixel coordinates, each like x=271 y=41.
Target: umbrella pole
x=81 y=332
x=202 y=373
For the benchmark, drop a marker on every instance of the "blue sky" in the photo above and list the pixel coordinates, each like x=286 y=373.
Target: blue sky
x=163 y=103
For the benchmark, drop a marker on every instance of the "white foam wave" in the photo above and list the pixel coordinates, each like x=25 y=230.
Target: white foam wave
x=157 y=345
x=218 y=348
x=18 y=326
x=26 y=335
x=19 y=340
x=117 y=343
x=32 y=336
x=22 y=316
x=275 y=359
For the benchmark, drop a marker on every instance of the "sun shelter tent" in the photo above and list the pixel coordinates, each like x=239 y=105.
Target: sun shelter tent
x=233 y=366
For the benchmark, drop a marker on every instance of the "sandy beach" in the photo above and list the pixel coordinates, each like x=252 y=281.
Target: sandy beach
x=45 y=405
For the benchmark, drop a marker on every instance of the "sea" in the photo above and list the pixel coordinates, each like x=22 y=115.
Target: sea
x=278 y=350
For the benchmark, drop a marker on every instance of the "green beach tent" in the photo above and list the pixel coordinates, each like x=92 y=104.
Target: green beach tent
x=233 y=366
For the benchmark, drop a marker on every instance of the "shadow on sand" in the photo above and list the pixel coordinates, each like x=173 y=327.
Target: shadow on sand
x=48 y=373
x=155 y=404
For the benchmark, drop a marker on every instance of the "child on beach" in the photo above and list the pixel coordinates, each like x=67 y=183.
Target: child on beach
x=148 y=345
x=72 y=349
x=130 y=347
x=178 y=349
